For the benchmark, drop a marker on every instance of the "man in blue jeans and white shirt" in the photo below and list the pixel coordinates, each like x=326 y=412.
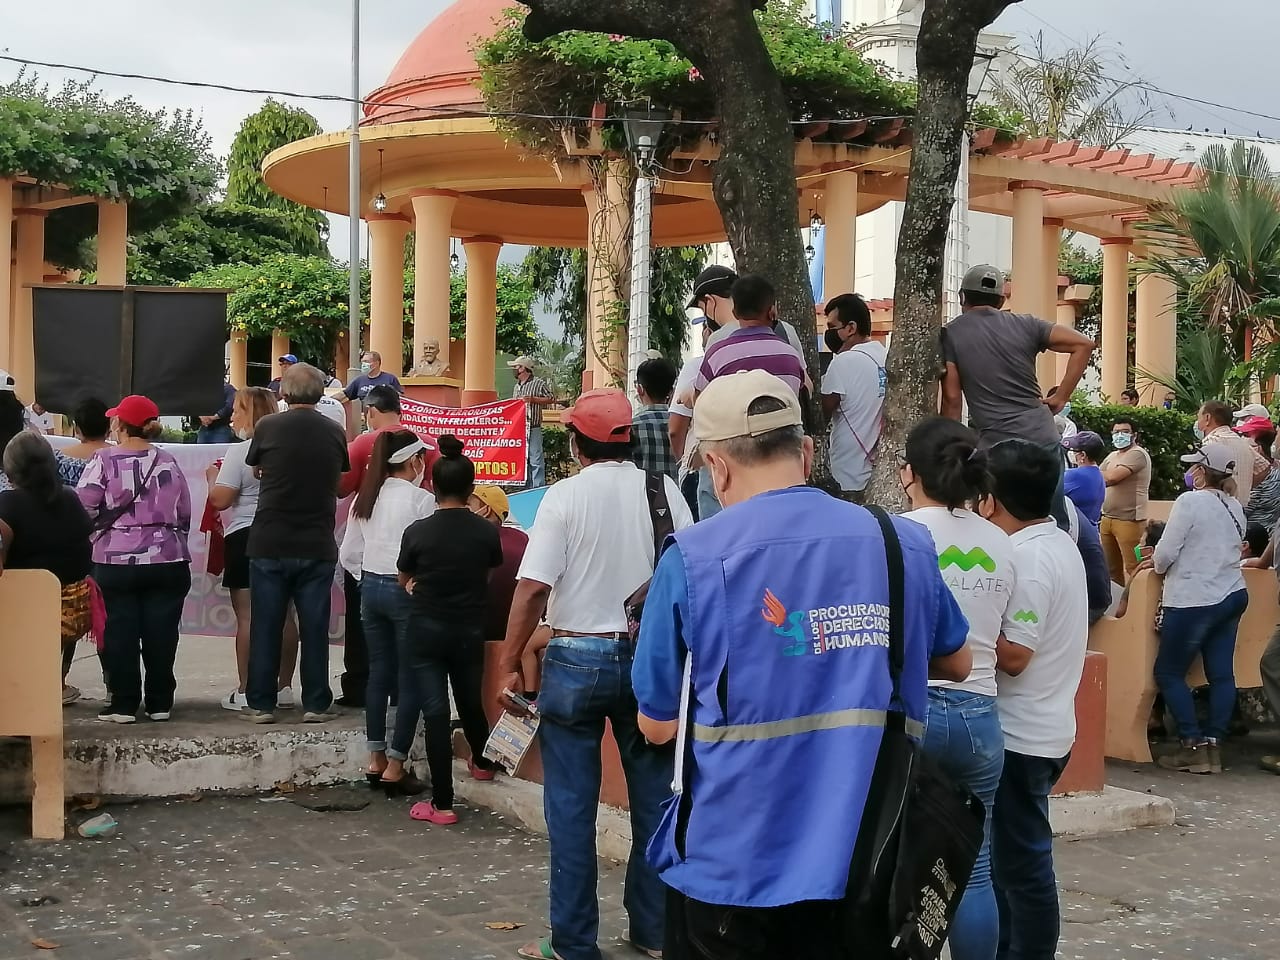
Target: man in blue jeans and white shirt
x=590 y=548
x=1038 y=675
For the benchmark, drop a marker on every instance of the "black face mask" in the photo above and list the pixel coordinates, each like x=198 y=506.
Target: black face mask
x=834 y=343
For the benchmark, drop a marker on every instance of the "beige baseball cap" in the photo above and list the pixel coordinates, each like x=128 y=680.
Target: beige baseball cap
x=720 y=412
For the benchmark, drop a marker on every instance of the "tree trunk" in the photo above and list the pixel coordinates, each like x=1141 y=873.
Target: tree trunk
x=754 y=180
x=944 y=57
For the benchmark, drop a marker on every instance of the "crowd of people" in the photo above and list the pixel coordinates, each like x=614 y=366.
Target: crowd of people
x=659 y=589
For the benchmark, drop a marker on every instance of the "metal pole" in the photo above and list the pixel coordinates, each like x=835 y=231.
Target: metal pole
x=638 y=327
x=353 y=203
x=957 y=250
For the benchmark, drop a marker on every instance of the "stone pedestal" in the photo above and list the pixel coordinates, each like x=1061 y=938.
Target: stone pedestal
x=441 y=391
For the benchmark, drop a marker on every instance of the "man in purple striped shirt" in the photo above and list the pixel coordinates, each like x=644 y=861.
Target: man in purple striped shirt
x=754 y=345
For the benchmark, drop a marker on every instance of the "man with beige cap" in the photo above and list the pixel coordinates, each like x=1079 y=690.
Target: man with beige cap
x=536 y=393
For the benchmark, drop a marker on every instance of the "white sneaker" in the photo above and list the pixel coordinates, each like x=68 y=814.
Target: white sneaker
x=284 y=699
x=234 y=701
x=160 y=716
x=108 y=717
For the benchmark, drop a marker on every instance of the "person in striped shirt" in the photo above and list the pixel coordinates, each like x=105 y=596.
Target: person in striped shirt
x=755 y=345
x=537 y=394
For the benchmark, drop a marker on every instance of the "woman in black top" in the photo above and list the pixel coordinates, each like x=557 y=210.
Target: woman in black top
x=44 y=527
x=445 y=561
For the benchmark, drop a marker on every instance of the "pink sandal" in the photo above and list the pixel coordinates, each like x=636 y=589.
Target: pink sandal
x=429 y=813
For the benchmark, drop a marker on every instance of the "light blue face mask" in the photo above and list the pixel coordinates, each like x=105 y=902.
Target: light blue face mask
x=1066 y=409
x=1198 y=432
x=1121 y=441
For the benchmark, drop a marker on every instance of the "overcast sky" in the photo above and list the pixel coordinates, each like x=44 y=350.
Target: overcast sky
x=304 y=46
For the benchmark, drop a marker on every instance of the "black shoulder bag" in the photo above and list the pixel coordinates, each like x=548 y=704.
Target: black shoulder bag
x=655 y=489
x=920 y=833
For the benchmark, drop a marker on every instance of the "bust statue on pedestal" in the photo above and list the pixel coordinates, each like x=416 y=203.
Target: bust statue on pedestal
x=431 y=365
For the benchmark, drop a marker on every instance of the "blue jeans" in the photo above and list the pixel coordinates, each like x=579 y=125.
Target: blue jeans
x=586 y=681
x=384 y=609
x=216 y=434
x=1211 y=632
x=272 y=584
x=708 y=505
x=964 y=737
x=537 y=461
x=1022 y=858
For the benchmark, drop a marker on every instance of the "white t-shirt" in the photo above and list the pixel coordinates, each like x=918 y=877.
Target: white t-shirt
x=857 y=377
x=373 y=545
x=592 y=541
x=976 y=560
x=38 y=422
x=331 y=408
x=1038 y=707
x=684 y=387
x=238 y=476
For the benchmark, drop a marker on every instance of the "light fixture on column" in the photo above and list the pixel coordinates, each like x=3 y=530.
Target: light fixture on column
x=815 y=220
x=380 y=201
x=454 y=259
x=322 y=227
x=809 y=252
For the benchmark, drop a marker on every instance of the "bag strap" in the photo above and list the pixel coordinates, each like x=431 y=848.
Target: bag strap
x=107 y=519
x=897 y=602
x=655 y=489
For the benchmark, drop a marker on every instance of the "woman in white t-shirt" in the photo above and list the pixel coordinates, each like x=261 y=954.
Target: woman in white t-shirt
x=233 y=488
x=943 y=474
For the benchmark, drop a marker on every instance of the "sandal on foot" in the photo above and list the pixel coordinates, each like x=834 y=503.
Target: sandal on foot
x=431 y=814
x=538 y=950
x=1270 y=763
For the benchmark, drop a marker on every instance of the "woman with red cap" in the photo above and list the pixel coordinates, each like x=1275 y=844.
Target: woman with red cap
x=137 y=498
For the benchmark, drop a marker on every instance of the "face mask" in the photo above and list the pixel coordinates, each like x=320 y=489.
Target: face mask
x=1198 y=432
x=366 y=367
x=242 y=433
x=1189 y=478
x=1121 y=440
x=833 y=341
x=418 y=476
x=1066 y=409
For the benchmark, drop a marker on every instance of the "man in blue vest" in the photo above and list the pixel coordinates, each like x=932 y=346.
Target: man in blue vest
x=764 y=652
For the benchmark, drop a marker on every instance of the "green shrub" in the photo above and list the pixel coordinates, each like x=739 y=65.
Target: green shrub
x=1165 y=434
x=555 y=450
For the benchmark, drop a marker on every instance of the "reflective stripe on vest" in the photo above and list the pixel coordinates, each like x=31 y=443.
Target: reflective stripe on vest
x=775 y=729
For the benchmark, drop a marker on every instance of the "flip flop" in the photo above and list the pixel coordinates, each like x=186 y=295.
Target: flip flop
x=1271 y=764
x=538 y=950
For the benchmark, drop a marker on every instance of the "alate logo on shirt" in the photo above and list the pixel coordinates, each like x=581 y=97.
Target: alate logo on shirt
x=1026 y=616
x=824 y=629
x=966 y=560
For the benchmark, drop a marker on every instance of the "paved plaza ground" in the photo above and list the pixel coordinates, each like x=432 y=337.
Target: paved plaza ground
x=250 y=878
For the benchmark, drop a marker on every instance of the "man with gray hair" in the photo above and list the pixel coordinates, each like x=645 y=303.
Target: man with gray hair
x=300 y=456
x=774 y=665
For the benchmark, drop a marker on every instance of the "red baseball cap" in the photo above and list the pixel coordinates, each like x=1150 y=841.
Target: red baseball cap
x=135 y=410
x=602 y=415
x=1254 y=425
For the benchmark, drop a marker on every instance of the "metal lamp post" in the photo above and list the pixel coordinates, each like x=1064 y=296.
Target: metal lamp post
x=353 y=204
x=643 y=129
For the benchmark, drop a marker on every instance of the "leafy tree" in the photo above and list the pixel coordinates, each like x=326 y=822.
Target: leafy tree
x=271 y=127
x=517 y=332
x=1207 y=369
x=161 y=163
x=1072 y=96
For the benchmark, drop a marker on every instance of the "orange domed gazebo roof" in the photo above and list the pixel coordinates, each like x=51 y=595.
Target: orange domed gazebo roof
x=436 y=75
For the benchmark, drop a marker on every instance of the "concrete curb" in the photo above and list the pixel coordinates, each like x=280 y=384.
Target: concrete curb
x=1113 y=810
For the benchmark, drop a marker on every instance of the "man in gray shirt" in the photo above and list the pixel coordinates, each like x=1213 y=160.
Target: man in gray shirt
x=991 y=363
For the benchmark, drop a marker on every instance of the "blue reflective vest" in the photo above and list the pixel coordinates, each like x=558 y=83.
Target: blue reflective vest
x=788 y=610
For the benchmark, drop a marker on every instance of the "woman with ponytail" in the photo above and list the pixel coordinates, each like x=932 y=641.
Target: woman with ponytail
x=390 y=499
x=445 y=562
x=944 y=474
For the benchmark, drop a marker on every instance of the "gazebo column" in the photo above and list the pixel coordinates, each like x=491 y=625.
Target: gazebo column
x=238 y=358
x=6 y=272
x=1047 y=363
x=386 y=290
x=1115 y=317
x=1029 y=284
x=606 y=232
x=482 y=319
x=841 y=233
x=279 y=347
x=29 y=269
x=1156 y=336
x=113 y=242
x=433 y=226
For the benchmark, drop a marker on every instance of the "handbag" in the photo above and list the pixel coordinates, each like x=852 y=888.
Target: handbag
x=920 y=832
x=655 y=489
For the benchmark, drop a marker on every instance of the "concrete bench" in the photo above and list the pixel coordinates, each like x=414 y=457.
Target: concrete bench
x=31 y=687
x=1130 y=644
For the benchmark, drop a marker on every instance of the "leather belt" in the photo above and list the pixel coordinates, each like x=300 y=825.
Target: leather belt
x=600 y=634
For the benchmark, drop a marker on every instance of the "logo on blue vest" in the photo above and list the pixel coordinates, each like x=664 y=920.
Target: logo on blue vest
x=789 y=625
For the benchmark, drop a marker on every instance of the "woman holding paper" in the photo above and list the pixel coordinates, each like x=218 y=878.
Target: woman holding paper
x=390 y=499
x=445 y=563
